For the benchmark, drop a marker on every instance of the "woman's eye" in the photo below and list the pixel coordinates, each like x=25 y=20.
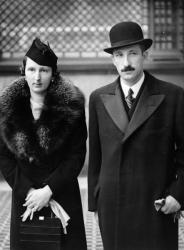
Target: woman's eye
x=44 y=70
x=31 y=69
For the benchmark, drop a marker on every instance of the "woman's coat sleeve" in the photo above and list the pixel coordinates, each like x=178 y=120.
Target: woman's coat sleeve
x=16 y=179
x=70 y=167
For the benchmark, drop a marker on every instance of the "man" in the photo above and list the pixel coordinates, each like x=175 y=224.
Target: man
x=136 y=150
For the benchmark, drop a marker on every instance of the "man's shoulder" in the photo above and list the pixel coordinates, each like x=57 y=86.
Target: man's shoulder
x=169 y=87
x=108 y=88
x=165 y=86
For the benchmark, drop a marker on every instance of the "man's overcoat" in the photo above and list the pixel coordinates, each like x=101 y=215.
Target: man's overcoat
x=48 y=151
x=133 y=163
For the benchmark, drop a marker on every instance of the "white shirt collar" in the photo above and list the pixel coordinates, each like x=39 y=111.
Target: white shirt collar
x=136 y=87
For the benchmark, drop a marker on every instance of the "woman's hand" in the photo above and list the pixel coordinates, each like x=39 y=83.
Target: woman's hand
x=38 y=198
x=27 y=213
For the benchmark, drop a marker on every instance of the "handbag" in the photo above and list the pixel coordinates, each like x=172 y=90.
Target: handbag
x=41 y=233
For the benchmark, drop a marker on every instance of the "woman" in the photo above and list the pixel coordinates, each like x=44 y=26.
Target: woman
x=43 y=145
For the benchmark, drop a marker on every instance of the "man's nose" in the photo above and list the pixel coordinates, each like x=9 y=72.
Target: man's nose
x=125 y=61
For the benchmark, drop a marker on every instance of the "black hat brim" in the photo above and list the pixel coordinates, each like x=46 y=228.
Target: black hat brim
x=147 y=42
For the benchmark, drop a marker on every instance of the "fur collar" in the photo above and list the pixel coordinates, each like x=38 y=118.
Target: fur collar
x=34 y=140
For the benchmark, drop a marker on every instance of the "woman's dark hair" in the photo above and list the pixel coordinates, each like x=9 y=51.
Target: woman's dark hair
x=55 y=73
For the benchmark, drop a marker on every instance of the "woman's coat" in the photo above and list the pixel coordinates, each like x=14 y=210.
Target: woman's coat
x=133 y=163
x=48 y=151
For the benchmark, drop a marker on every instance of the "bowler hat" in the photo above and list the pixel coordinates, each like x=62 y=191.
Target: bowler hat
x=125 y=34
x=42 y=53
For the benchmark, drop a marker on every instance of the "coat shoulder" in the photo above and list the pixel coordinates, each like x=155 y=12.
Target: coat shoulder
x=157 y=86
x=170 y=87
x=65 y=89
x=166 y=87
x=104 y=89
x=109 y=88
x=172 y=91
x=11 y=94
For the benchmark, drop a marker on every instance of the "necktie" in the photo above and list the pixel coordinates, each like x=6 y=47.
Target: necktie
x=129 y=99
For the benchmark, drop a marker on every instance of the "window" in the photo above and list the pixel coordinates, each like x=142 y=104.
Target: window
x=79 y=28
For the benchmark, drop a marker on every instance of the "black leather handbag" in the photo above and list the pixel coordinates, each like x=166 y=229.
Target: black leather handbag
x=41 y=233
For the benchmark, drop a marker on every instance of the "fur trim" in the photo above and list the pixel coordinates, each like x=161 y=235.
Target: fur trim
x=34 y=140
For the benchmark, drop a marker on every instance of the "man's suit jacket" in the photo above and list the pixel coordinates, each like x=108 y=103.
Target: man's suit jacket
x=133 y=163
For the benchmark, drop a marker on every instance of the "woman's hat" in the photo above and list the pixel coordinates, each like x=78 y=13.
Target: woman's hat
x=42 y=54
x=126 y=34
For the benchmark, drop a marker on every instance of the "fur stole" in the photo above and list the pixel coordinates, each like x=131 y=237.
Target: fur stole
x=33 y=140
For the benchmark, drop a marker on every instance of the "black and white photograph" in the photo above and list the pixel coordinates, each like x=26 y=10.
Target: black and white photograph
x=91 y=125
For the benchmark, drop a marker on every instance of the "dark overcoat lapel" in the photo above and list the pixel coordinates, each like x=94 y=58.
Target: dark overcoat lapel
x=115 y=108
x=147 y=104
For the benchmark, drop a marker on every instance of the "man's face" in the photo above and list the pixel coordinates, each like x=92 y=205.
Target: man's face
x=129 y=63
x=38 y=76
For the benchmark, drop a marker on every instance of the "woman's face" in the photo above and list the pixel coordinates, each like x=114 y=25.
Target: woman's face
x=37 y=76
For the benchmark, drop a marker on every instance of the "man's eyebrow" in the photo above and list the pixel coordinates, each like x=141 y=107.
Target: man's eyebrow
x=133 y=49
x=118 y=51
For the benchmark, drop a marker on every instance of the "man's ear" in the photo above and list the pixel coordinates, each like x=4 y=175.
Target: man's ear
x=145 y=54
